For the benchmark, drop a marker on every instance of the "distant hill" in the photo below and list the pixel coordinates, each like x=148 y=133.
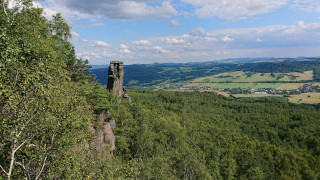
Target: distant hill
x=147 y=75
x=99 y=66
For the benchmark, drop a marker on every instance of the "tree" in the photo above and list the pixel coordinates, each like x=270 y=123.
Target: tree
x=42 y=112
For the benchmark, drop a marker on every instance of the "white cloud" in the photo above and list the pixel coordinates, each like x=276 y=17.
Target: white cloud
x=301 y=24
x=199 y=32
x=48 y=12
x=306 y=5
x=173 y=40
x=210 y=39
x=123 y=46
x=126 y=51
x=160 y=49
x=229 y=9
x=149 y=9
x=74 y=34
x=300 y=39
x=142 y=42
x=120 y=9
x=227 y=39
x=101 y=43
x=174 y=23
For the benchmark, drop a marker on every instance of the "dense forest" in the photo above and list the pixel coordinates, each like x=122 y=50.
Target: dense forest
x=49 y=101
x=144 y=75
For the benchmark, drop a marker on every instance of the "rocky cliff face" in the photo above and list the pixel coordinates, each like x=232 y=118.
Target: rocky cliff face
x=115 y=79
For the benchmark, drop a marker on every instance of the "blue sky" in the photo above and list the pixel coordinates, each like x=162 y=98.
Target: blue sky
x=149 y=31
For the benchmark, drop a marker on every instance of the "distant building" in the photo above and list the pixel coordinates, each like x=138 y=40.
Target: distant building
x=260 y=92
x=307 y=88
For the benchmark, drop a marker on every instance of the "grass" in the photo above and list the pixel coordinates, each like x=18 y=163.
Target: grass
x=268 y=98
x=289 y=86
x=222 y=93
x=240 y=76
x=256 y=95
x=307 y=98
x=247 y=85
x=200 y=84
x=307 y=75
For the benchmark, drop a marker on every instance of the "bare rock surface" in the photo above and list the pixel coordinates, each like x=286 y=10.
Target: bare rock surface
x=105 y=139
x=115 y=79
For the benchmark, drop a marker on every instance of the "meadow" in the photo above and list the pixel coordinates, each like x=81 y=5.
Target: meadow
x=241 y=76
x=304 y=98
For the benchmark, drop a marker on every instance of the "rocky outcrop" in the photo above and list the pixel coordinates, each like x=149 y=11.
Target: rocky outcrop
x=115 y=79
x=105 y=139
x=126 y=95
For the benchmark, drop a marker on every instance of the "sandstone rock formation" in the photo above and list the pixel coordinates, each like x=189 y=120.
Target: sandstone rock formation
x=115 y=79
x=105 y=139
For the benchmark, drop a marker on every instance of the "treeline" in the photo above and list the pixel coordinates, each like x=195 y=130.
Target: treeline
x=153 y=74
x=194 y=135
x=281 y=67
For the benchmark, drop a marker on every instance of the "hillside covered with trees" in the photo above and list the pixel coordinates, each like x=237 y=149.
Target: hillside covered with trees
x=49 y=101
x=147 y=75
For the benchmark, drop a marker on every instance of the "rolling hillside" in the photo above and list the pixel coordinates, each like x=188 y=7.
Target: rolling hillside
x=148 y=75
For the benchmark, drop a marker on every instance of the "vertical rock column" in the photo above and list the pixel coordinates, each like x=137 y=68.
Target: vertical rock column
x=115 y=77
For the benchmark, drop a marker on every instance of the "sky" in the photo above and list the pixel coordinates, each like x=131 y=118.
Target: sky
x=162 y=31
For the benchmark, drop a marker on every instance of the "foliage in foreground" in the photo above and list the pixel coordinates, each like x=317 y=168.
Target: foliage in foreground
x=43 y=110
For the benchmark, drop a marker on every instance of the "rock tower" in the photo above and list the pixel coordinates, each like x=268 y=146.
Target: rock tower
x=115 y=79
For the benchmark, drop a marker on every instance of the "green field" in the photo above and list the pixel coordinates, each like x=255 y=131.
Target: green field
x=307 y=98
x=240 y=76
x=247 y=85
x=280 y=86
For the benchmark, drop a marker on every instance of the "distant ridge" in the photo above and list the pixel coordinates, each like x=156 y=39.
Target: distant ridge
x=99 y=66
x=150 y=75
x=228 y=60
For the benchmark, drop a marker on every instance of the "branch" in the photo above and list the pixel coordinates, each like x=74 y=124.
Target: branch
x=4 y=9
x=24 y=168
x=44 y=163
x=13 y=151
x=21 y=164
x=20 y=145
x=4 y=170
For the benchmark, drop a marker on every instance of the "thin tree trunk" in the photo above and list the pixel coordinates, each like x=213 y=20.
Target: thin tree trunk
x=14 y=143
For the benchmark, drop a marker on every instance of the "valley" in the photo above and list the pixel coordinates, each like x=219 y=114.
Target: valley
x=289 y=78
